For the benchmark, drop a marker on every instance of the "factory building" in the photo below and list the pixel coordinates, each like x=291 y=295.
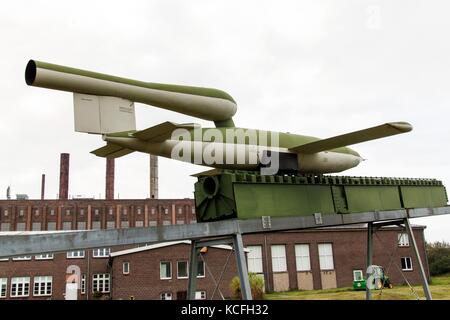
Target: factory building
x=309 y=259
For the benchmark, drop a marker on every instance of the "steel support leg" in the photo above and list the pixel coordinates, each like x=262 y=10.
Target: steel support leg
x=426 y=287
x=369 y=257
x=242 y=267
x=193 y=266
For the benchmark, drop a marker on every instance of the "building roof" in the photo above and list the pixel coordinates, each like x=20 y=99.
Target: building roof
x=163 y=245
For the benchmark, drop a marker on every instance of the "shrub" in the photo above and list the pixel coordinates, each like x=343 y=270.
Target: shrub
x=438 y=254
x=256 y=286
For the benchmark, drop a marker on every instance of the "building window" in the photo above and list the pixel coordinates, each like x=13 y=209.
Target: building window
x=139 y=223
x=358 y=275
x=124 y=211
x=110 y=211
x=22 y=258
x=126 y=268
x=254 y=257
x=20 y=287
x=67 y=212
x=326 y=256
x=302 y=258
x=110 y=224
x=4 y=259
x=166 y=296
x=182 y=270
x=96 y=225
x=166 y=223
x=81 y=225
x=36 y=226
x=165 y=270
x=101 y=252
x=166 y=211
x=77 y=254
x=21 y=212
x=52 y=212
x=279 y=258
x=3 y=286
x=406 y=263
x=201 y=269
x=43 y=286
x=83 y=284
x=51 y=226
x=81 y=212
x=96 y=212
x=152 y=210
x=153 y=223
x=44 y=256
x=403 y=240
x=20 y=226
x=139 y=210
x=5 y=226
x=193 y=210
x=180 y=210
x=36 y=212
x=200 y=295
x=100 y=283
x=124 y=224
x=180 y=221
x=5 y=213
x=67 y=225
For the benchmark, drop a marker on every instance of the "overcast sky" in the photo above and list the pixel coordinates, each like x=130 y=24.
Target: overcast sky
x=319 y=68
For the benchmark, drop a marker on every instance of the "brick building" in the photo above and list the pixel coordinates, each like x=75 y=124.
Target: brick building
x=311 y=259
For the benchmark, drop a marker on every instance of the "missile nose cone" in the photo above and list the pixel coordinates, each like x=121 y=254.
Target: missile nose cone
x=401 y=126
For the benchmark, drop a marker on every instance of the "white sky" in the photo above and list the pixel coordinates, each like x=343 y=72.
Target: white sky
x=319 y=68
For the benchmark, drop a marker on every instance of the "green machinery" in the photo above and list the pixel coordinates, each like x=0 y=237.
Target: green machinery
x=226 y=194
x=379 y=279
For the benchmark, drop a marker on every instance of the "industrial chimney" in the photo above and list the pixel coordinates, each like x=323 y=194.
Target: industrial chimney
x=64 y=177
x=43 y=187
x=153 y=177
x=109 y=193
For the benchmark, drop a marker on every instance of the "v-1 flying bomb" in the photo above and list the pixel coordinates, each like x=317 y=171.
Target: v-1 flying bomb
x=104 y=104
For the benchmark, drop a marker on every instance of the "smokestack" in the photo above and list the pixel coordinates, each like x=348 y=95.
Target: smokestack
x=43 y=187
x=64 y=177
x=153 y=177
x=109 y=194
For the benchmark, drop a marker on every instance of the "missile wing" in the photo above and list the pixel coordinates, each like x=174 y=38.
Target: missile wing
x=347 y=139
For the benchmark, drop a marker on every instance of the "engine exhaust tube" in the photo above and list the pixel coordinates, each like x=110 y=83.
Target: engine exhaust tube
x=204 y=103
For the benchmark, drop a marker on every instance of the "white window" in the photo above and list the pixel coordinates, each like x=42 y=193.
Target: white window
x=96 y=225
x=193 y=210
x=36 y=226
x=100 y=282
x=110 y=224
x=166 y=296
x=20 y=287
x=201 y=269
x=152 y=211
x=180 y=221
x=166 y=223
x=126 y=268
x=52 y=212
x=139 y=211
x=200 y=295
x=81 y=225
x=96 y=212
x=22 y=258
x=302 y=258
x=406 y=263
x=83 y=284
x=153 y=223
x=44 y=256
x=4 y=259
x=139 y=223
x=182 y=269
x=180 y=210
x=124 y=224
x=43 y=286
x=326 y=256
x=67 y=225
x=77 y=254
x=165 y=270
x=101 y=252
x=358 y=275
x=279 y=258
x=166 y=211
x=3 y=286
x=403 y=240
x=5 y=226
x=51 y=226
x=20 y=226
x=254 y=257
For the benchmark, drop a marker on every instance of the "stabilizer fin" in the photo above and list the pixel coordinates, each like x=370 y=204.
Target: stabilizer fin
x=381 y=131
x=111 y=151
x=162 y=131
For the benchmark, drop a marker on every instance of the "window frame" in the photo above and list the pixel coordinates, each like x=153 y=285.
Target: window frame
x=96 y=251
x=358 y=271
x=103 y=279
x=411 y=268
x=187 y=269
x=3 y=288
x=70 y=255
x=170 y=266
x=42 y=285
x=23 y=282
x=323 y=256
x=403 y=240
x=300 y=255
x=44 y=256
x=126 y=263
x=273 y=257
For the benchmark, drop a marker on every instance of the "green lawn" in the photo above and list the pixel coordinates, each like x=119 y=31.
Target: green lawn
x=440 y=289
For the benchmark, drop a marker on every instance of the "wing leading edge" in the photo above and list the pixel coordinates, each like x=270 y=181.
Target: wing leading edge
x=381 y=131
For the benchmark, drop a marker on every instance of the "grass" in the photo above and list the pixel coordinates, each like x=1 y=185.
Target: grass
x=440 y=290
